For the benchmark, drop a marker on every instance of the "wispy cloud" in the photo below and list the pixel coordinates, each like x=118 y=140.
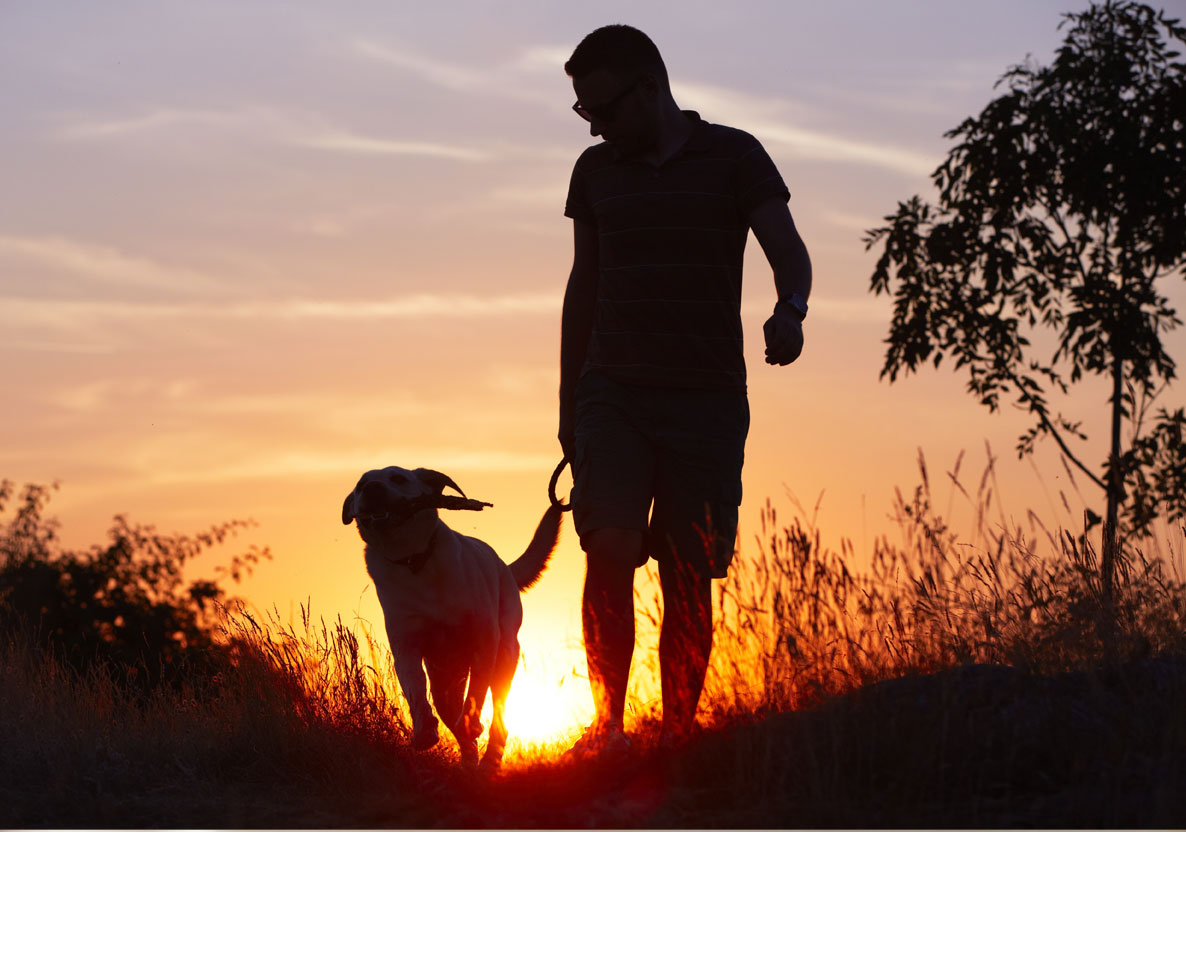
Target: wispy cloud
x=201 y=397
x=91 y=397
x=541 y=58
x=150 y=120
x=763 y=119
x=75 y=314
x=439 y=72
x=153 y=469
x=363 y=145
x=275 y=126
x=500 y=81
x=104 y=264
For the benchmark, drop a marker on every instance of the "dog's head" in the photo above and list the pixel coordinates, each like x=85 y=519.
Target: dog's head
x=388 y=497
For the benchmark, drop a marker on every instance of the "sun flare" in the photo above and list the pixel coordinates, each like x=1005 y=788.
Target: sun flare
x=550 y=702
x=539 y=710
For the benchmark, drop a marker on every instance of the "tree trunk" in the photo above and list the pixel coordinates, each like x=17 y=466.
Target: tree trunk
x=1108 y=629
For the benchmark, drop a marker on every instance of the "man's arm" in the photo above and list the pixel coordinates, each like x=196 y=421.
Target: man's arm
x=576 y=322
x=787 y=255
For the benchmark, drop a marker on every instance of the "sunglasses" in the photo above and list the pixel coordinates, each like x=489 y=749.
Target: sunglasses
x=604 y=111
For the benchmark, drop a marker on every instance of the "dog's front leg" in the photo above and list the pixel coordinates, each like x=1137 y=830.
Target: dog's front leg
x=409 y=669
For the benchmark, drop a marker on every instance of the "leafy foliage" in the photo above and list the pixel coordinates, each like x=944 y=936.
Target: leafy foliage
x=1061 y=207
x=124 y=605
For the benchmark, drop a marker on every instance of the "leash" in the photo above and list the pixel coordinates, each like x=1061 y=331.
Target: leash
x=556 y=503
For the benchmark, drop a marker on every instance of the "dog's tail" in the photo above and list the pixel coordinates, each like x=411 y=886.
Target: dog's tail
x=528 y=568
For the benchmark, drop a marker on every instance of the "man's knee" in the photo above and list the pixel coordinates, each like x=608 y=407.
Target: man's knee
x=612 y=548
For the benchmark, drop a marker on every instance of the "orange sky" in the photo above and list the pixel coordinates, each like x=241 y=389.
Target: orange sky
x=248 y=251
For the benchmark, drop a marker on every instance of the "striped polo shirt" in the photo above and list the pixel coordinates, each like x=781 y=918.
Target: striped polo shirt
x=671 y=242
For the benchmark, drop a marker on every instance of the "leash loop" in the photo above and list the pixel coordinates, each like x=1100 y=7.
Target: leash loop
x=563 y=506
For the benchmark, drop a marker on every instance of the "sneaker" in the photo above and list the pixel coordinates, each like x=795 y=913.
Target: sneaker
x=599 y=742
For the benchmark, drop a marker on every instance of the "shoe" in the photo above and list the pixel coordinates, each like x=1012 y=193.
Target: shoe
x=599 y=742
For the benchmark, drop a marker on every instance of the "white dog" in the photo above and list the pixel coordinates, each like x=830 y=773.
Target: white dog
x=450 y=604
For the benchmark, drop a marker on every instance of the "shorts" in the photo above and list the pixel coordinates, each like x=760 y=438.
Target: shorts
x=662 y=461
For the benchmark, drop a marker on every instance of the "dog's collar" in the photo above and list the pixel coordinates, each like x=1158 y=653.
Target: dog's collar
x=415 y=562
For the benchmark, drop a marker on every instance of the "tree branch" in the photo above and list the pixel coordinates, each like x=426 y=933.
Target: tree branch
x=1053 y=431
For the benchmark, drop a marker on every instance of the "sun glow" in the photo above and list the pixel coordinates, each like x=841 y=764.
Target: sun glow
x=546 y=709
x=550 y=702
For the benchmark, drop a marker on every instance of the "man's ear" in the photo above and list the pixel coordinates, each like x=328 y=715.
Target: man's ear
x=649 y=85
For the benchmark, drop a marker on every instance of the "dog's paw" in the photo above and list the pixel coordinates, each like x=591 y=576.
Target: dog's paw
x=492 y=759
x=426 y=736
x=469 y=754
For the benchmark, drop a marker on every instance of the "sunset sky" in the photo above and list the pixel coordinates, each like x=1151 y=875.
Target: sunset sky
x=249 y=250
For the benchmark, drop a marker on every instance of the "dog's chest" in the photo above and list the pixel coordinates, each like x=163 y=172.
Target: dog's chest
x=446 y=592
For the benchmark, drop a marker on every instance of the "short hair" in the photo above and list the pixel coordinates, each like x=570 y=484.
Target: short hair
x=621 y=49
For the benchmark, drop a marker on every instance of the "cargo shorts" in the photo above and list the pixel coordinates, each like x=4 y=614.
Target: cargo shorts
x=662 y=461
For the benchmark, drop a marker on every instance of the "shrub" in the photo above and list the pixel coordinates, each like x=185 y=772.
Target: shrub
x=124 y=605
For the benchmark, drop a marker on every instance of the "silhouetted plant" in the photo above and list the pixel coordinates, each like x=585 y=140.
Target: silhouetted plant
x=126 y=604
x=1062 y=204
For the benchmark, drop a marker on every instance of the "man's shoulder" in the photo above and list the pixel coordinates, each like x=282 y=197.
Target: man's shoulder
x=729 y=140
x=595 y=157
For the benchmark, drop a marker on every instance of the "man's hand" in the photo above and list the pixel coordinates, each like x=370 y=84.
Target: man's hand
x=784 y=336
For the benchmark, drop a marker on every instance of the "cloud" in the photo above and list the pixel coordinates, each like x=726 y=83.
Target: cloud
x=497 y=82
x=542 y=58
x=441 y=73
x=273 y=125
x=104 y=264
x=762 y=118
x=195 y=397
x=153 y=469
x=363 y=145
x=148 y=121
x=78 y=315
x=91 y=397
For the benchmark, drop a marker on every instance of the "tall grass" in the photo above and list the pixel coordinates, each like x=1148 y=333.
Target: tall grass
x=304 y=725
x=798 y=622
x=287 y=734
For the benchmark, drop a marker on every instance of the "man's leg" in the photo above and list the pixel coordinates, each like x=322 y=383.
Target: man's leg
x=607 y=614
x=685 y=642
x=701 y=438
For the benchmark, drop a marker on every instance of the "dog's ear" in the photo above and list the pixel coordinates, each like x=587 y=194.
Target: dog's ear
x=348 y=509
x=437 y=480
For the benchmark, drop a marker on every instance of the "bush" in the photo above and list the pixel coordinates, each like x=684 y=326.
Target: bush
x=125 y=605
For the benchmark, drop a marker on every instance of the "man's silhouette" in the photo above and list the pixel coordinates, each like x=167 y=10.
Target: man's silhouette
x=653 y=408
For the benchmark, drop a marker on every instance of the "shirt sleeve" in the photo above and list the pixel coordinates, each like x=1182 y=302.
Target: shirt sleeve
x=757 y=178
x=577 y=206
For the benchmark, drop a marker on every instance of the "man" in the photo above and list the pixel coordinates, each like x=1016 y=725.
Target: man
x=653 y=407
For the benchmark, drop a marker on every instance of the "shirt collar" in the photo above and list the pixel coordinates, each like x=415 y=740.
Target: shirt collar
x=698 y=140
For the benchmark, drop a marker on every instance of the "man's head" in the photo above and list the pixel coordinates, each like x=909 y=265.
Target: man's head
x=621 y=85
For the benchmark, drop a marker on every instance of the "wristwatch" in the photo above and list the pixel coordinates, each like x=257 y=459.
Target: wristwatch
x=796 y=303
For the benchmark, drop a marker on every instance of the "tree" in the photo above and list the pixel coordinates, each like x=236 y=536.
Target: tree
x=124 y=605
x=1062 y=206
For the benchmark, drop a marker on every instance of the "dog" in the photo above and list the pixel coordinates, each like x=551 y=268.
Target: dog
x=451 y=606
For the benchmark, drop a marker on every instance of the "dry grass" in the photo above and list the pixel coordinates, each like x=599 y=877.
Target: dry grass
x=797 y=624
x=953 y=682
